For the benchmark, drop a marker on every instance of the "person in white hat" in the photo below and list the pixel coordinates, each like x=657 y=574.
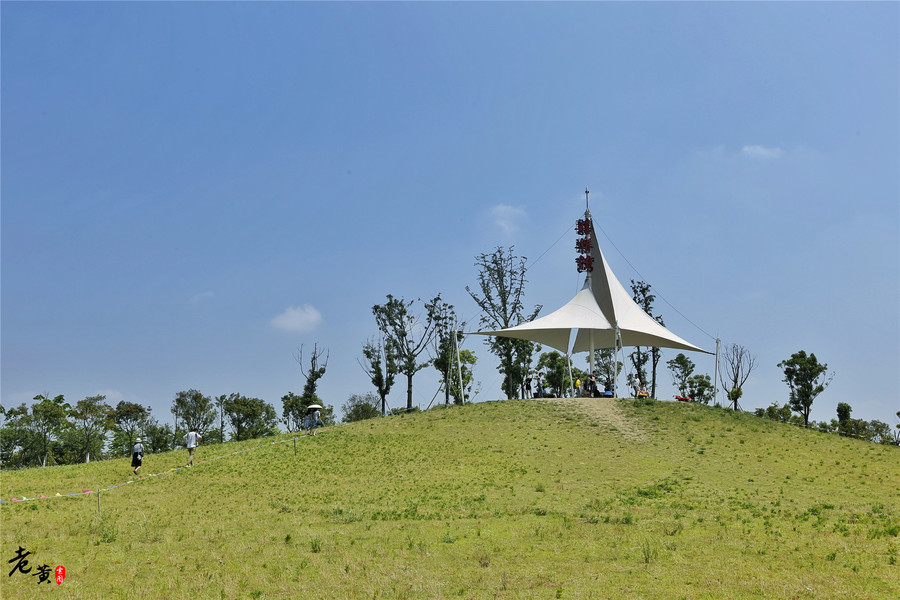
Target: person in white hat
x=137 y=455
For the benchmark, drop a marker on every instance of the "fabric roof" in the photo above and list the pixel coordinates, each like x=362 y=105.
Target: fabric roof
x=554 y=330
x=636 y=327
x=602 y=306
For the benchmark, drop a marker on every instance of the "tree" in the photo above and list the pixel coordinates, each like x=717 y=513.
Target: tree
x=642 y=296
x=250 y=418
x=313 y=374
x=193 y=410
x=466 y=358
x=16 y=439
x=843 y=415
x=775 y=412
x=360 y=408
x=48 y=421
x=682 y=367
x=129 y=419
x=734 y=369
x=380 y=365
x=93 y=418
x=445 y=344
x=806 y=378
x=897 y=433
x=156 y=436
x=606 y=365
x=409 y=334
x=700 y=389
x=501 y=280
x=556 y=372
x=292 y=411
x=220 y=404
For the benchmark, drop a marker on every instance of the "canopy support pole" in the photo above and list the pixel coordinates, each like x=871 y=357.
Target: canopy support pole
x=462 y=389
x=571 y=379
x=716 y=375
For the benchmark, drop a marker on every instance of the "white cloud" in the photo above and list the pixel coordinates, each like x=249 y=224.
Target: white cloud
x=198 y=298
x=298 y=318
x=507 y=217
x=762 y=152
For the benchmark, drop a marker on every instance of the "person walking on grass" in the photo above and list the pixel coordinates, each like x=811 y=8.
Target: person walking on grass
x=137 y=455
x=192 y=440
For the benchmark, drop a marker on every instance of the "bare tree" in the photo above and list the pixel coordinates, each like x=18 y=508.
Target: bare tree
x=314 y=373
x=734 y=368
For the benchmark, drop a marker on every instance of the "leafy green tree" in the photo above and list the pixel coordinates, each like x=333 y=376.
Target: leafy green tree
x=15 y=438
x=360 y=408
x=193 y=410
x=880 y=432
x=250 y=418
x=501 y=281
x=466 y=359
x=642 y=296
x=448 y=336
x=129 y=419
x=775 y=412
x=843 y=414
x=606 y=365
x=409 y=334
x=49 y=419
x=556 y=372
x=806 y=378
x=380 y=365
x=157 y=438
x=93 y=419
x=700 y=389
x=682 y=367
x=220 y=404
x=292 y=412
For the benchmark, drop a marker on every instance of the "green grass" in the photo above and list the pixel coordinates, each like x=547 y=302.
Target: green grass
x=516 y=499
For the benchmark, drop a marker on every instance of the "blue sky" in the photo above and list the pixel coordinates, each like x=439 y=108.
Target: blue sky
x=190 y=191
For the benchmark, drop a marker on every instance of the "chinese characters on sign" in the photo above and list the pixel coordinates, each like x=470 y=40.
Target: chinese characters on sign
x=584 y=261
x=42 y=572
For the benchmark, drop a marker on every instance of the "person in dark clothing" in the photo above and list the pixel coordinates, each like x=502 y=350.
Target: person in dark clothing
x=137 y=455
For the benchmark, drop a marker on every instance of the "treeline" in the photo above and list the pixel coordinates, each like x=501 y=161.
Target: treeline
x=54 y=432
x=871 y=431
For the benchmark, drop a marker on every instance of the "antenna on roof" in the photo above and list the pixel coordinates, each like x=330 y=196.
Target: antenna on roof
x=587 y=208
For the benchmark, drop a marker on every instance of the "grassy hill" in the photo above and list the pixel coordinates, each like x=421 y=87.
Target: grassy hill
x=517 y=499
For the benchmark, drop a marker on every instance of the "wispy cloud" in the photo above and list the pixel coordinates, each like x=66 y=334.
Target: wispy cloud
x=198 y=298
x=761 y=152
x=297 y=318
x=508 y=217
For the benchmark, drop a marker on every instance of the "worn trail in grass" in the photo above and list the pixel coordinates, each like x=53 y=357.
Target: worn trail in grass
x=517 y=499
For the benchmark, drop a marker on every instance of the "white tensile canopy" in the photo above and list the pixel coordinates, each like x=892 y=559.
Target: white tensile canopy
x=581 y=313
x=604 y=315
x=636 y=328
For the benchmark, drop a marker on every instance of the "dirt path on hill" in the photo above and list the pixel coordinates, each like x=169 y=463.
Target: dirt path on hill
x=606 y=411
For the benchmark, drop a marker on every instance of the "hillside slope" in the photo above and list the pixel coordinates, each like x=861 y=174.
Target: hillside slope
x=515 y=499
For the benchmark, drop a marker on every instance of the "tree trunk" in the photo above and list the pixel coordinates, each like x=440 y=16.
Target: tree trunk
x=409 y=377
